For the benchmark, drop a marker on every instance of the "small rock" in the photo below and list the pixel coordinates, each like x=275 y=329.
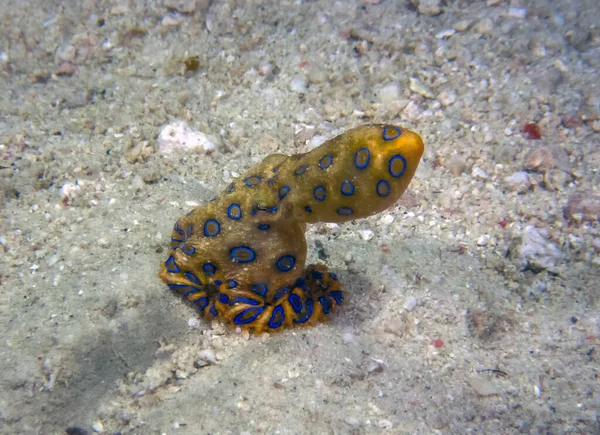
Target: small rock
x=540 y=160
x=366 y=234
x=375 y=366
x=483 y=387
x=483 y=240
x=418 y=87
x=384 y=424
x=430 y=7
x=447 y=97
x=484 y=27
x=518 y=182
x=479 y=173
x=533 y=251
x=387 y=219
x=299 y=85
x=181 y=6
x=456 y=165
x=179 y=136
x=390 y=93
x=515 y=12
x=98 y=427
x=410 y=303
x=208 y=356
x=583 y=208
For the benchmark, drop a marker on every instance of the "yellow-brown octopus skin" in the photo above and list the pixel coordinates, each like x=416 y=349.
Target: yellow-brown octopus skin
x=241 y=256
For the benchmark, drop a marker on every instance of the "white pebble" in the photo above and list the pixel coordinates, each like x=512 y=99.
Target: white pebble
x=207 y=355
x=479 y=173
x=366 y=234
x=410 y=303
x=98 y=427
x=517 y=12
x=298 y=84
x=180 y=136
x=483 y=240
x=194 y=323
x=387 y=219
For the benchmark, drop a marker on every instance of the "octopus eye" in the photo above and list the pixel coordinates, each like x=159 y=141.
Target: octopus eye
x=390 y=132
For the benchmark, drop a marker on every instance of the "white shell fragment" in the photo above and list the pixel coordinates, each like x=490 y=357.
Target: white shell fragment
x=178 y=136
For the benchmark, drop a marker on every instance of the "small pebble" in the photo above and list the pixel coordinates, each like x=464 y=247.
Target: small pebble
x=517 y=12
x=98 y=427
x=483 y=387
x=298 y=85
x=540 y=160
x=207 y=355
x=518 y=182
x=366 y=234
x=479 y=173
x=390 y=93
x=410 y=303
x=430 y=7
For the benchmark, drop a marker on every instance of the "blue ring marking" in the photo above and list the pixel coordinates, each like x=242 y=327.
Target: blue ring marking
x=275 y=322
x=193 y=278
x=231 y=284
x=211 y=232
x=188 y=231
x=383 y=188
x=189 y=213
x=296 y=303
x=254 y=311
x=176 y=240
x=397 y=173
x=179 y=230
x=171 y=265
x=209 y=269
x=301 y=282
x=229 y=188
x=308 y=209
x=347 y=188
x=344 y=211
x=308 y=314
x=276 y=168
x=317 y=275
x=260 y=289
x=252 y=180
x=333 y=276
x=319 y=193
x=201 y=303
x=326 y=304
x=390 y=132
x=193 y=290
x=326 y=161
x=264 y=227
x=213 y=310
x=286 y=263
x=281 y=292
x=187 y=250
x=223 y=298
x=300 y=170
x=178 y=287
x=242 y=300
x=283 y=190
x=362 y=154
x=337 y=295
x=218 y=282
x=234 y=212
x=238 y=253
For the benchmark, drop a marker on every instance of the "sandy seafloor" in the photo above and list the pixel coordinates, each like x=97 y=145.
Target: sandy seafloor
x=474 y=303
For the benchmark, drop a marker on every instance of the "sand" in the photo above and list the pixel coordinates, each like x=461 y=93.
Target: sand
x=473 y=304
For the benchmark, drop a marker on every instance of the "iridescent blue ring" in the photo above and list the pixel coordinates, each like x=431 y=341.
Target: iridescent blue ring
x=347 y=188
x=363 y=154
x=319 y=193
x=234 y=212
x=326 y=161
x=390 y=132
x=383 y=188
x=211 y=232
x=275 y=322
x=252 y=180
x=344 y=211
x=209 y=269
x=397 y=173
x=242 y=254
x=286 y=263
